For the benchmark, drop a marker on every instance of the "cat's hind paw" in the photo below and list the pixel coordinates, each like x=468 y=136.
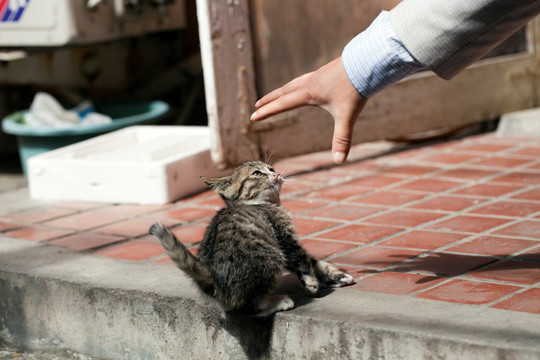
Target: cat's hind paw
x=311 y=284
x=286 y=303
x=273 y=304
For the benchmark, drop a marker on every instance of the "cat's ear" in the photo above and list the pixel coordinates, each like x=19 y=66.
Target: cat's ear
x=218 y=184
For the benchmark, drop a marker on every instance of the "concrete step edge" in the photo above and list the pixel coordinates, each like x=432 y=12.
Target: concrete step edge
x=53 y=299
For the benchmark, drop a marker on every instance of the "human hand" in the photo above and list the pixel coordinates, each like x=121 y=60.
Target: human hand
x=328 y=88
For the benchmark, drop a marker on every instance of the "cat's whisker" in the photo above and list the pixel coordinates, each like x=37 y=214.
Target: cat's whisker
x=271 y=159
x=251 y=155
x=290 y=182
x=267 y=159
x=285 y=173
x=282 y=170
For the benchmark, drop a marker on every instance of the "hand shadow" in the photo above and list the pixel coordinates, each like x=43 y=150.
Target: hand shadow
x=448 y=265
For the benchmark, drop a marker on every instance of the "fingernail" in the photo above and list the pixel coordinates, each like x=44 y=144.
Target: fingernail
x=253 y=115
x=339 y=157
x=257 y=103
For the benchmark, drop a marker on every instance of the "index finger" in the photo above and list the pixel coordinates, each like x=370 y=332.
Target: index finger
x=280 y=104
x=289 y=87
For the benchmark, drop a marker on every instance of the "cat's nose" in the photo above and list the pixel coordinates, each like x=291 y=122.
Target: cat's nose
x=278 y=178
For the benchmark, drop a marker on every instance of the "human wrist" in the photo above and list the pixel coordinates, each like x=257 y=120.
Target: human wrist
x=376 y=58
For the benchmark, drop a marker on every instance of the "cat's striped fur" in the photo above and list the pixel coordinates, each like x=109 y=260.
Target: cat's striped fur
x=248 y=244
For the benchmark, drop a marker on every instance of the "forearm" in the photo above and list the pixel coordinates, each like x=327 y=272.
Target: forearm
x=446 y=36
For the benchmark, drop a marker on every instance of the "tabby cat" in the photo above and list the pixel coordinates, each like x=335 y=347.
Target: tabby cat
x=248 y=244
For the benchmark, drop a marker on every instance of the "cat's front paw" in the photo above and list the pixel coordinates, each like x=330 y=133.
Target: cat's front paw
x=338 y=280
x=331 y=276
x=345 y=280
x=273 y=304
x=311 y=284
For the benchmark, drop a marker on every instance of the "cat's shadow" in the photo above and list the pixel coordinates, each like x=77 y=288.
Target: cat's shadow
x=288 y=284
x=254 y=333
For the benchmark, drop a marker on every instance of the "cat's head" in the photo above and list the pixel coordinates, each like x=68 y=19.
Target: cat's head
x=251 y=183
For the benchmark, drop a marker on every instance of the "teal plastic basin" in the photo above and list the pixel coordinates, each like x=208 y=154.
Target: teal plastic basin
x=34 y=140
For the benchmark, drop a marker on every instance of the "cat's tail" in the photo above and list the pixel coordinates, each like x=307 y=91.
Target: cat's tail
x=183 y=258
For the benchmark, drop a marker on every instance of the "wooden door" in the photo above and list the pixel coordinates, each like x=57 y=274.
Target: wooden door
x=250 y=47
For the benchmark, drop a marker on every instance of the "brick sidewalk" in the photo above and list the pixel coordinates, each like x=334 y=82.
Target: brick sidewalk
x=457 y=221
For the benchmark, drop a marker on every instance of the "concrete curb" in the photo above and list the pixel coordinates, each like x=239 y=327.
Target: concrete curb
x=53 y=298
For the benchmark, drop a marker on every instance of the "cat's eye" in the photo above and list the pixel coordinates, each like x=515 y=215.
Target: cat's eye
x=271 y=169
x=257 y=173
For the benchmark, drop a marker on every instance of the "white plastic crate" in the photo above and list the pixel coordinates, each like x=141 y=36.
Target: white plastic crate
x=523 y=123
x=138 y=164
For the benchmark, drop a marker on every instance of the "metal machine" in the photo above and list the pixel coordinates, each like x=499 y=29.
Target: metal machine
x=39 y=23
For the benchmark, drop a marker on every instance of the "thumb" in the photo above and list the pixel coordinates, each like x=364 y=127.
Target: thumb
x=342 y=139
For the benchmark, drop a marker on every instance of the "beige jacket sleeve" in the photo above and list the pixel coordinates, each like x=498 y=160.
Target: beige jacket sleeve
x=448 y=35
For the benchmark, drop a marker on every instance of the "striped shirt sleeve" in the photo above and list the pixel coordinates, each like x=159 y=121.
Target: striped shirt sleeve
x=376 y=58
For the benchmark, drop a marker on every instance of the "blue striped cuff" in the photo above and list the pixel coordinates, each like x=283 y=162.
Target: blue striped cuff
x=376 y=58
